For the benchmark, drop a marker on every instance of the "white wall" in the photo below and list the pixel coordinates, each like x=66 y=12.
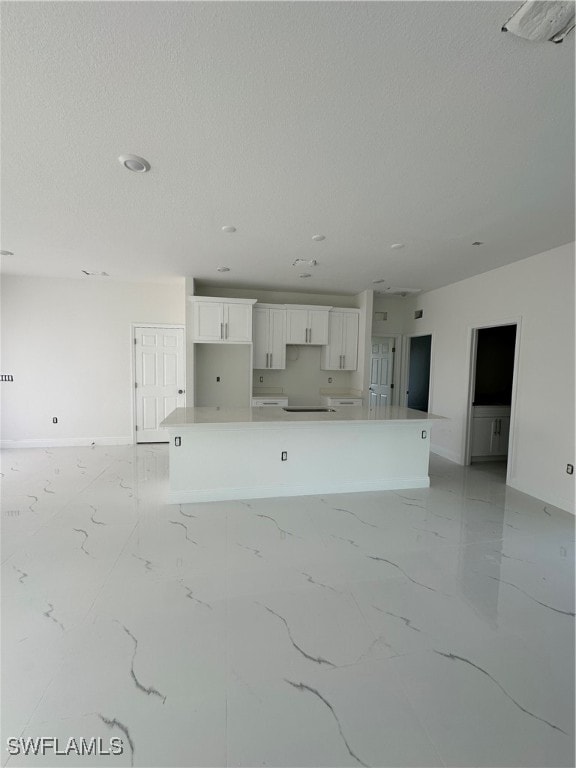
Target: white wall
x=231 y=363
x=539 y=292
x=302 y=379
x=68 y=345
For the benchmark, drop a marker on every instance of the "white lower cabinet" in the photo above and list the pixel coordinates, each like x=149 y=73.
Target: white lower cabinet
x=329 y=400
x=279 y=402
x=490 y=432
x=269 y=337
x=341 y=352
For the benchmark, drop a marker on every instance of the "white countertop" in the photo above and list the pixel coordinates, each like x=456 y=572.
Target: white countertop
x=184 y=417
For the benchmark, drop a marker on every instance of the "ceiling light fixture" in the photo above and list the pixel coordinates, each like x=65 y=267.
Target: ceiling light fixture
x=6 y=253
x=477 y=242
x=541 y=20
x=397 y=246
x=381 y=280
x=318 y=238
x=228 y=228
x=305 y=274
x=222 y=269
x=134 y=163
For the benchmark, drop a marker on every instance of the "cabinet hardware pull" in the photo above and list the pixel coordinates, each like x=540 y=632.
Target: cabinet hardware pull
x=267 y=353
x=226 y=330
x=310 y=335
x=271 y=353
x=221 y=330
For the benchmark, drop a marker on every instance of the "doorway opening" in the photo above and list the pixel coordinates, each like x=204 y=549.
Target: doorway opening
x=492 y=388
x=418 y=378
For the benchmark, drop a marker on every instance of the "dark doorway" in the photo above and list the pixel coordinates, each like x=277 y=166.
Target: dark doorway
x=494 y=365
x=419 y=372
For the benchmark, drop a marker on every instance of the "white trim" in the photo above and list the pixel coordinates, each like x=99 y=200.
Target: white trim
x=133 y=326
x=65 y=442
x=512 y=439
x=266 y=492
x=445 y=454
x=557 y=501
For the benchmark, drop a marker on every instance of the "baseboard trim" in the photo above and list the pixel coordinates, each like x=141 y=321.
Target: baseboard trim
x=445 y=454
x=557 y=501
x=66 y=442
x=266 y=492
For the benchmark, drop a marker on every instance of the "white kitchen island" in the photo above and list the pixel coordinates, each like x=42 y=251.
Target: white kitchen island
x=245 y=453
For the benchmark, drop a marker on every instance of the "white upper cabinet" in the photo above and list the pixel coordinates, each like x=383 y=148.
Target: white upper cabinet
x=341 y=352
x=269 y=336
x=306 y=324
x=217 y=320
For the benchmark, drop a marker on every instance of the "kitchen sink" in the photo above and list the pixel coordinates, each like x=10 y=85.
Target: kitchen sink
x=308 y=409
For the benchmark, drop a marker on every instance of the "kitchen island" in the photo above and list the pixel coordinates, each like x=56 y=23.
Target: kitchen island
x=244 y=453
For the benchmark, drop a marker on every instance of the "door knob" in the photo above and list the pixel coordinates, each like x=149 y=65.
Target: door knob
x=180 y=391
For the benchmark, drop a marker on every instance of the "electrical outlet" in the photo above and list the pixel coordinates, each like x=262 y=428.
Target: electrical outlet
x=570 y=469
x=54 y=420
x=284 y=456
x=330 y=379
x=217 y=378
x=261 y=379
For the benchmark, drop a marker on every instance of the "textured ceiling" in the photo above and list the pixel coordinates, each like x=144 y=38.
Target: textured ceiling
x=371 y=123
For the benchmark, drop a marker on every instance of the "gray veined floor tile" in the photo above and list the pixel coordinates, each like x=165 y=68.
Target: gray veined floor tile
x=426 y=627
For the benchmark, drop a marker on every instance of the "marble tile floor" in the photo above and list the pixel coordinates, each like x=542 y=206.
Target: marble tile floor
x=431 y=627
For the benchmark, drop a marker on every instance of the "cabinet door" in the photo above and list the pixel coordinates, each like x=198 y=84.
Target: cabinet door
x=208 y=321
x=501 y=435
x=238 y=322
x=331 y=358
x=318 y=326
x=260 y=323
x=296 y=326
x=350 y=341
x=277 y=338
x=482 y=435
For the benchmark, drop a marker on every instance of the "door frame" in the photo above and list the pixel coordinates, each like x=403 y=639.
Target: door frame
x=472 y=348
x=406 y=368
x=397 y=375
x=166 y=326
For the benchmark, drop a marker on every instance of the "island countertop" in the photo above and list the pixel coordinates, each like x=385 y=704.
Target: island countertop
x=217 y=417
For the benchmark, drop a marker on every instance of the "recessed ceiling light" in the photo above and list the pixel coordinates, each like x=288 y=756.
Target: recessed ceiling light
x=305 y=274
x=228 y=228
x=222 y=269
x=318 y=238
x=134 y=163
x=95 y=274
x=397 y=246
x=379 y=281
x=6 y=253
x=477 y=242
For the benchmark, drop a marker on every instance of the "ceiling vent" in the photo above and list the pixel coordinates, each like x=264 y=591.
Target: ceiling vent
x=541 y=20
x=95 y=274
x=401 y=291
x=418 y=314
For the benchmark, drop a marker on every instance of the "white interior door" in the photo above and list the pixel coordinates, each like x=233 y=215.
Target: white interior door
x=159 y=379
x=382 y=372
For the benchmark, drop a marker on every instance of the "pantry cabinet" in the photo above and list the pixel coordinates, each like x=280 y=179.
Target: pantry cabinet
x=269 y=336
x=341 y=352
